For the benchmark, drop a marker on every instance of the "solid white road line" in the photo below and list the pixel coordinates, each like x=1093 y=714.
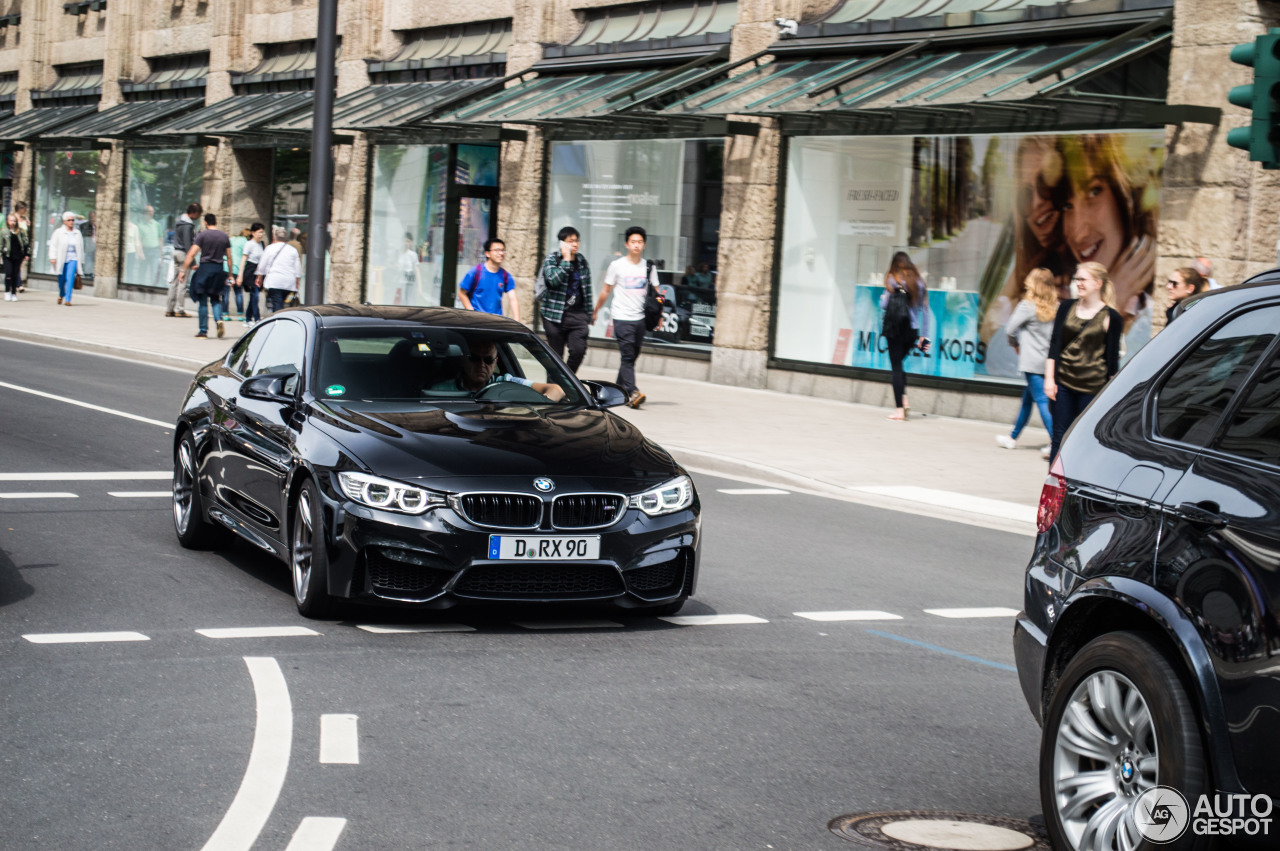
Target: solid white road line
x=753 y=491
x=86 y=477
x=338 y=741
x=257 y=632
x=268 y=761
x=128 y=494
x=711 y=620
x=994 y=612
x=956 y=501
x=83 y=637
x=585 y=624
x=39 y=495
x=867 y=615
x=317 y=834
x=396 y=629
x=80 y=404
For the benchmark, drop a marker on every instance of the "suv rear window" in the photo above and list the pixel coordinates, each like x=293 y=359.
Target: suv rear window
x=1197 y=392
x=1255 y=428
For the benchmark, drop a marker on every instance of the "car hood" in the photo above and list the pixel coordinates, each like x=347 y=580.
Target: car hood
x=584 y=445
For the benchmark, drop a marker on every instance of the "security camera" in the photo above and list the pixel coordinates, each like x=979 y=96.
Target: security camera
x=786 y=26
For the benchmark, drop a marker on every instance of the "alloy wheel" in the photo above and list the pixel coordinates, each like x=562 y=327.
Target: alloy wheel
x=302 y=542
x=1104 y=757
x=183 y=482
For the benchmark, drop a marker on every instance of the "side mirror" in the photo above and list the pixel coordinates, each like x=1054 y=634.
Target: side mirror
x=606 y=393
x=269 y=387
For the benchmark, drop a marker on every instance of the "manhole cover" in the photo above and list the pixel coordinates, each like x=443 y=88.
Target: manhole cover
x=917 y=830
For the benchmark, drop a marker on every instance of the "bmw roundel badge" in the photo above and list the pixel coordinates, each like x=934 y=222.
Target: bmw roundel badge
x=544 y=484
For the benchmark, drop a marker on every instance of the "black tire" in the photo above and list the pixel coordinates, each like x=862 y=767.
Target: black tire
x=309 y=555
x=195 y=530
x=1137 y=675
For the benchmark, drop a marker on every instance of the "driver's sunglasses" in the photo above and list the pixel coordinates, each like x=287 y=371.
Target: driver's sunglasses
x=491 y=360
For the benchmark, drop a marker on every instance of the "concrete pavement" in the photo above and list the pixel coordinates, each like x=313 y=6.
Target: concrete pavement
x=931 y=465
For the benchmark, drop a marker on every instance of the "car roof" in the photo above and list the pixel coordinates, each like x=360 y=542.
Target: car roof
x=339 y=315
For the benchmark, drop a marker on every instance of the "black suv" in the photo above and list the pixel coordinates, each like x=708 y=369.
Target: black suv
x=1149 y=648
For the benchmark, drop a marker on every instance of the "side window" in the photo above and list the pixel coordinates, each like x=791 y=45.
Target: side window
x=283 y=352
x=1254 y=431
x=246 y=350
x=1193 y=398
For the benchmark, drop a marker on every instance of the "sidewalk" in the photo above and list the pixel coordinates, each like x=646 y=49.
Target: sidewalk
x=937 y=466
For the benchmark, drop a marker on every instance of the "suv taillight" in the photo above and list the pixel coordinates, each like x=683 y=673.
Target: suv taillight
x=1051 y=496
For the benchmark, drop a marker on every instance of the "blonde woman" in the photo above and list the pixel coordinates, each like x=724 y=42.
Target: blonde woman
x=1029 y=330
x=1084 y=349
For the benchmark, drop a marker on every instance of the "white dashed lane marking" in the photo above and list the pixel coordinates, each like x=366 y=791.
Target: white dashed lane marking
x=753 y=491
x=585 y=624
x=869 y=615
x=142 y=494
x=993 y=612
x=83 y=637
x=257 y=632
x=712 y=620
x=339 y=743
x=156 y=475
x=396 y=629
x=317 y=834
x=38 y=495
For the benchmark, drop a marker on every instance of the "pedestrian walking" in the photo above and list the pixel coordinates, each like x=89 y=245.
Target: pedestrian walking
x=905 y=304
x=488 y=287
x=1084 y=348
x=24 y=225
x=66 y=251
x=184 y=234
x=209 y=281
x=248 y=275
x=14 y=249
x=238 y=243
x=1182 y=284
x=631 y=277
x=279 y=270
x=1029 y=330
x=567 y=278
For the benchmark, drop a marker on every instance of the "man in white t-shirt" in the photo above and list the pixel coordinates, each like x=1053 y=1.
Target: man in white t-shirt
x=630 y=276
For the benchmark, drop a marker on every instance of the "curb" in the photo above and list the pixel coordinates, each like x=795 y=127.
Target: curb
x=159 y=358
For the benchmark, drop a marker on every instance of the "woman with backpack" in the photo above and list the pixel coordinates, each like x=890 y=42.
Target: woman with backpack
x=905 y=304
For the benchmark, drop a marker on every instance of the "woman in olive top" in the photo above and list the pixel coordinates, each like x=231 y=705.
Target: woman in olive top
x=1084 y=349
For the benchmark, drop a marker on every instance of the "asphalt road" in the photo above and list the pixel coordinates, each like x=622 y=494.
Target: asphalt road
x=644 y=735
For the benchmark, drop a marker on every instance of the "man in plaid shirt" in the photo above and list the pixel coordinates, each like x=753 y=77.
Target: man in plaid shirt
x=566 y=304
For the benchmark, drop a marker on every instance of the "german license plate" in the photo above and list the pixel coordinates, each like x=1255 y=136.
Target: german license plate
x=544 y=547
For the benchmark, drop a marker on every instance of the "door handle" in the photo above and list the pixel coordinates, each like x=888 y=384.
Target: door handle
x=1201 y=514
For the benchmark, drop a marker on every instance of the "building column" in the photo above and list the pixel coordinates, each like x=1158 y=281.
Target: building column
x=110 y=212
x=1215 y=202
x=521 y=184
x=348 y=212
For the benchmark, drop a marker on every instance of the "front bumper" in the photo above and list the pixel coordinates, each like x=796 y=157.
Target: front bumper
x=439 y=559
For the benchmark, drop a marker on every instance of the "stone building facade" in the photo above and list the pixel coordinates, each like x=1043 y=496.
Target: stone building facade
x=1212 y=201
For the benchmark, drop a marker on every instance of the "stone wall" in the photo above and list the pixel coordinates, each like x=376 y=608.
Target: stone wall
x=1216 y=203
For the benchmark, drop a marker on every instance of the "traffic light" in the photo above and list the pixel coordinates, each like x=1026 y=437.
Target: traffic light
x=1261 y=138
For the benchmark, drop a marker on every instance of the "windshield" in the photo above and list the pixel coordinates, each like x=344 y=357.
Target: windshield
x=422 y=364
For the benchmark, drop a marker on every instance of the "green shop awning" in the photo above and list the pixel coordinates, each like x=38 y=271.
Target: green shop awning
x=601 y=105
x=126 y=119
x=934 y=88
x=35 y=123
x=390 y=107
x=247 y=118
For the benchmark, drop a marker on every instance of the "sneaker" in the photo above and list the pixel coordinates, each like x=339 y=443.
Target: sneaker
x=170 y=313
x=59 y=299
x=1006 y=441
x=636 y=399
x=1044 y=451
x=181 y=314
x=222 y=332
x=202 y=334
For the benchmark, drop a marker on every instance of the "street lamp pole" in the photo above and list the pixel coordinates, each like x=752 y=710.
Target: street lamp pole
x=321 y=185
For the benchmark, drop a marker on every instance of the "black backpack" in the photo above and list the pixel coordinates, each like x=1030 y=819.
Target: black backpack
x=653 y=300
x=897 y=316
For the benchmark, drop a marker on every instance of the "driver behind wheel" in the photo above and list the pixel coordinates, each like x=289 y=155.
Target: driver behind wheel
x=477 y=374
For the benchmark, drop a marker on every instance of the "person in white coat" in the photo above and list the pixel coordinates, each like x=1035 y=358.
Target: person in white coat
x=280 y=270
x=66 y=254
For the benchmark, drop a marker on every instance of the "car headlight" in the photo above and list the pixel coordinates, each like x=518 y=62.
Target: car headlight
x=382 y=493
x=665 y=498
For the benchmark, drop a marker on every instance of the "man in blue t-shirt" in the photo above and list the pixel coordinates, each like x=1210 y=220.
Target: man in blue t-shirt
x=488 y=285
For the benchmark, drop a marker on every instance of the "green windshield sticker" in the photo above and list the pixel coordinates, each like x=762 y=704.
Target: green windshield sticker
x=335 y=390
